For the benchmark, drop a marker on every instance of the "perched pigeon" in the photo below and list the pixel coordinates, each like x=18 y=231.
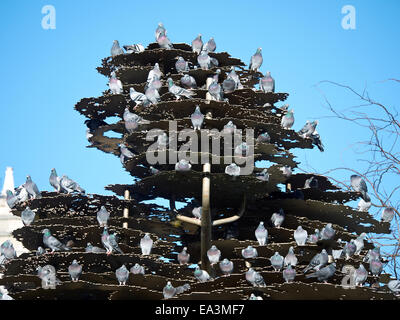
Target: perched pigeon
x=52 y=242
x=115 y=84
x=197 y=44
x=11 y=199
x=313 y=238
x=300 y=236
x=146 y=244
x=376 y=267
x=204 y=60
x=4 y=295
x=93 y=249
x=316 y=140
x=153 y=170
x=169 y=291
x=48 y=276
x=290 y=258
x=137 y=269
x=228 y=85
x=181 y=65
x=360 y=275
x=256 y=60
x=132 y=120
x=229 y=128
x=308 y=129
x=261 y=234
x=242 y=150
x=210 y=45
x=289 y=274
x=70 y=185
x=55 y=180
x=152 y=94
x=102 y=216
x=22 y=194
x=249 y=252
x=7 y=250
x=75 y=270
x=201 y=275
x=32 y=188
x=277 y=261
x=40 y=251
x=213 y=254
x=337 y=254
x=233 y=75
x=226 y=266
x=359 y=185
x=125 y=152
x=263 y=175
x=122 y=275
x=318 y=261
x=311 y=182
x=364 y=206
x=267 y=83
x=106 y=241
x=394 y=286
x=233 y=170
x=286 y=170
x=27 y=216
x=177 y=91
x=372 y=254
x=327 y=232
x=197 y=212
x=387 y=215
x=264 y=138
x=258 y=280
x=349 y=249
x=359 y=242
x=160 y=29
x=215 y=89
x=324 y=274
x=116 y=49
x=197 y=118
x=250 y=275
x=134 y=48
x=138 y=97
x=277 y=218
x=254 y=297
x=288 y=119
x=188 y=82
x=163 y=41
x=183 y=165
x=183 y=257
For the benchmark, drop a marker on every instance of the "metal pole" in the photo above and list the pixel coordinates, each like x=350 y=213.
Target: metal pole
x=127 y=196
x=206 y=220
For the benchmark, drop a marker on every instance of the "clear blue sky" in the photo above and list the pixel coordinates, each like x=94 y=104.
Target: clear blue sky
x=46 y=72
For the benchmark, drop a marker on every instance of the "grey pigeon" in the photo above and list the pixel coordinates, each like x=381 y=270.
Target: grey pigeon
x=286 y=170
x=116 y=49
x=277 y=218
x=254 y=297
x=48 y=276
x=261 y=234
x=138 y=97
x=177 y=91
x=263 y=175
x=40 y=251
x=102 y=216
x=349 y=249
x=169 y=291
x=197 y=212
x=163 y=41
x=372 y=254
x=250 y=275
x=287 y=120
x=313 y=238
x=160 y=29
x=152 y=94
x=324 y=274
x=134 y=48
x=132 y=120
x=137 y=269
x=106 y=241
x=233 y=75
x=22 y=194
x=264 y=138
x=213 y=254
x=228 y=85
x=183 y=256
x=27 y=216
x=181 y=65
x=11 y=199
x=363 y=205
x=300 y=236
x=387 y=215
x=93 y=249
x=7 y=250
x=360 y=275
x=226 y=266
x=318 y=261
x=394 y=286
x=233 y=170
x=183 y=165
x=215 y=89
x=256 y=60
x=146 y=244
x=258 y=280
x=197 y=118
x=125 y=152
x=327 y=233
x=249 y=252
x=311 y=182
x=308 y=129
x=75 y=270
x=229 y=128
x=359 y=242
x=52 y=242
x=197 y=44
x=154 y=73
x=290 y=258
x=289 y=274
x=277 y=261
x=242 y=149
x=201 y=275
x=70 y=185
x=122 y=275
x=376 y=267
x=188 y=82
x=316 y=140
x=359 y=185
x=267 y=83
x=204 y=60
x=112 y=239
x=210 y=45
x=32 y=188
x=55 y=180
x=115 y=84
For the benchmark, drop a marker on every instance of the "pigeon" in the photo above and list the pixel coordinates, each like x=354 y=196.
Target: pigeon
x=177 y=91
x=313 y=238
x=93 y=249
x=183 y=257
x=256 y=60
x=55 y=180
x=197 y=118
x=359 y=185
x=264 y=138
x=277 y=218
x=32 y=188
x=114 y=84
x=94 y=124
x=27 y=216
x=188 y=82
x=254 y=297
x=152 y=94
x=7 y=250
x=204 y=60
x=289 y=274
x=122 y=275
x=250 y=275
x=116 y=49
x=154 y=74
x=290 y=258
x=376 y=267
x=75 y=270
x=48 y=276
x=261 y=234
x=263 y=175
x=169 y=291
x=327 y=232
x=258 y=280
x=210 y=45
x=363 y=206
x=102 y=216
x=153 y=170
x=242 y=150
x=181 y=65
x=4 y=295
x=146 y=244
x=387 y=215
x=287 y=120
x=183 y=165
x=215 y=89
x=360 y=275
x=277 y=261
x=228 y=85
x=125 y=152
x=267 y=83
x=308 y=129
x=137 y=269
x=213 y=254
x=229 y=128
x=316 y=140
x=138 y=97
x=249 y=252
x=70 y=185
x=324 y=273
x=226 y=266
x=134 y=48
x=52 y=242
x=300 y=235
x=311 y=182
x=359 y=243
x=201 y=275
x=372 y=254
x=286 y=170
x=197 y=44
x=318 y=261
x=132 y=120
x=163 y=41
x=11 y=199
x=394 y=286
x=106 y=241
x=337 y=254
x=233 y=75
x=112 y=239
x=160 y=29
x=349 y=249
x=233 y=170
x=197 y=212
x=40 y=251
